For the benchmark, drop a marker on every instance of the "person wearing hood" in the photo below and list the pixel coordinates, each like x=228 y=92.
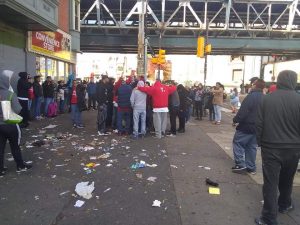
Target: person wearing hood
x=183 y=94
x=23 y=90
x=48 y=91
x=244 y=141
x=138 y=101
x=38 y=94
x=278 y=135
x=160 y=96
x=10 y=132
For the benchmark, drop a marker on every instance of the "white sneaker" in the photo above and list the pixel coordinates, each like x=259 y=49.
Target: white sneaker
x=102 y=134
x=171 y=135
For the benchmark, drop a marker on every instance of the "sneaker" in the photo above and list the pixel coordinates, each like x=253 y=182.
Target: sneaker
x=80 y=126
x=3 y=171
x=171 y=135
x=115 y=131
x=286 y=210
x=74 y=125
x=259 y=221
x=239 y=169
x=23 y=168
x=252 y=172
x=102 y=133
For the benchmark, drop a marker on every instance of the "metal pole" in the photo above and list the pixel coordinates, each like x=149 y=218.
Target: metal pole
x=141 y=40
x=145 y=43
x=159 y=46
x=205 y=59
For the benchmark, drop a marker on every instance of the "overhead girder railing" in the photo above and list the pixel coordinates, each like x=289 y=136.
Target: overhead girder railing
x=229 y=17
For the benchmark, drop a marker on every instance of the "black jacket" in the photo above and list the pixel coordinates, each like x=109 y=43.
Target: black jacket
x=37 y=89
x=80 y=92
x=278 y=118
x=183 y=94
x=246 y=116
x=48 y=89
x=23 y=85
x=101 y=93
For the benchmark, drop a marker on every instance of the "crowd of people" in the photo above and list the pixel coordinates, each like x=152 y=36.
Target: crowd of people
x=131 y=106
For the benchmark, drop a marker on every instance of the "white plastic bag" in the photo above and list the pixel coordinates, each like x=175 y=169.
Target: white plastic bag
x=84 y=189
x=9 y=116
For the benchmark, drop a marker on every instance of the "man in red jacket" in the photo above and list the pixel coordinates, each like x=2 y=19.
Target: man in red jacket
x=160 y=96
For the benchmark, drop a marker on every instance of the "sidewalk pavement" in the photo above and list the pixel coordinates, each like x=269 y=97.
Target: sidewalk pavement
x=45 y=195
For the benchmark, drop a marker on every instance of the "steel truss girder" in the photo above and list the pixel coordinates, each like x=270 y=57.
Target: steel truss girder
x=226 y=19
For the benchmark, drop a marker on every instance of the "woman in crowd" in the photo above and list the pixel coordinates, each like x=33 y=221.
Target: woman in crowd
x=10 y=132
x=218 y=92
x=77 y=102
x=234 y=100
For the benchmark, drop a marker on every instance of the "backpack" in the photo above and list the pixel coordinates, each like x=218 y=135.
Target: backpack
x=52 y=109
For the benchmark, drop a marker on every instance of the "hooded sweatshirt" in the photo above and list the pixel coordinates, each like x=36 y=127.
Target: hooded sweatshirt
x=278 y=118
x=23 y=86
x=138 y=99
x=5 y=93
x=159 y=93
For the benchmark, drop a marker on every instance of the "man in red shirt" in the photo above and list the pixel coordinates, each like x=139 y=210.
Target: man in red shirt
x=160 y=96
x=75 y=111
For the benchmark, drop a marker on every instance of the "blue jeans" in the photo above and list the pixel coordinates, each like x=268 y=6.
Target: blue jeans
x=37 y=106
x=217 y=110
x=137 y=114
x=126 y=116
x=76 y=115
x=61 y=106
x=244 y=149
x=47 y=101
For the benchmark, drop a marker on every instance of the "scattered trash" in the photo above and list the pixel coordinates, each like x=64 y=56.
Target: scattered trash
x=93 y=157
x=36 y=197
x=183 y=153
x=28 y=162
x=152 y=179
x=50 y=126
x=108 y=165
x=137 y=165
x=63 y=193
x=173 y=166
x=214 y=190
x=79 y=203
x=91 y=165
x=104 y=156
x=85 y=190
x=10 y=159
x=211 y=183
x=151 y=165
x=53 y=176
x=205 y=167
x=139 y=175
x=156 y=203
x=61 y=165
x=108 y=189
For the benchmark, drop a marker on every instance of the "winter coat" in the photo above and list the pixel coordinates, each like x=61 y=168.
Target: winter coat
x=37 y=89
x=160 y=94
x=138 y=99
x=80 y=92
x=101 y=93
x=218 y=96
x=23 y=86
x=174 y=100
x=124 y=93
x=91 y=88
x=183 y=94
x=48 y=89
x=246 y=115
x=278 y=118
x=5 y=93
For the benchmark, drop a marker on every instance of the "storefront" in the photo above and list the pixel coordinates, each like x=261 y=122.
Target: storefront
x=53 y=54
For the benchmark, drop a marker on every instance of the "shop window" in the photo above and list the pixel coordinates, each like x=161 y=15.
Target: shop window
x=76 y=13
x=52 y=68
x=61 y=70
x=41 y=67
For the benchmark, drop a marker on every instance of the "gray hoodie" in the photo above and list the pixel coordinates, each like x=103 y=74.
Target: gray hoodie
x=138 y=99
x=5 y=91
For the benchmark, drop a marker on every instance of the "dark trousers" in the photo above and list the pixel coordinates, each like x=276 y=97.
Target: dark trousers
x=173 y=117
x=110 y=110
x=92 y=101
x=279 y=168
x=126 y=116
x=211 y=114
x=149 y=119
x=199 y=109
x=24 y=111
x=101 y=118
x=181 y=115
x=12 y=133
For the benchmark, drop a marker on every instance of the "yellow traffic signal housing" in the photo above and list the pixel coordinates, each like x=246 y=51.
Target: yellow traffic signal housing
x=208 y=49
x=200 y=47
x=154 y=60
x=161 y=56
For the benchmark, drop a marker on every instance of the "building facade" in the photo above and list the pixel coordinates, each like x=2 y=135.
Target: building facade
x=41 y=37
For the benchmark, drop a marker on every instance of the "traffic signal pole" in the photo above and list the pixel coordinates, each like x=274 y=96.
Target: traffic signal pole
x=205 y=59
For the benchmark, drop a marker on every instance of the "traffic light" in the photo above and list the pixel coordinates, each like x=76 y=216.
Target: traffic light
x=154 y=60
x=200 y=47
x=208 y=49
x=161 y=56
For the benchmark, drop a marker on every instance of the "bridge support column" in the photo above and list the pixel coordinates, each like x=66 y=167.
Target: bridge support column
x=141 y=59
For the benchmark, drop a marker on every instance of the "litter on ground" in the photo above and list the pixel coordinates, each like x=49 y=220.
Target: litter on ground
x=85 y=190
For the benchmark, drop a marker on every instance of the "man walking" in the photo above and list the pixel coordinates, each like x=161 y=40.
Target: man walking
x=278 y=134
x=91 y=90
x=244 y=140
x=101 y=95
